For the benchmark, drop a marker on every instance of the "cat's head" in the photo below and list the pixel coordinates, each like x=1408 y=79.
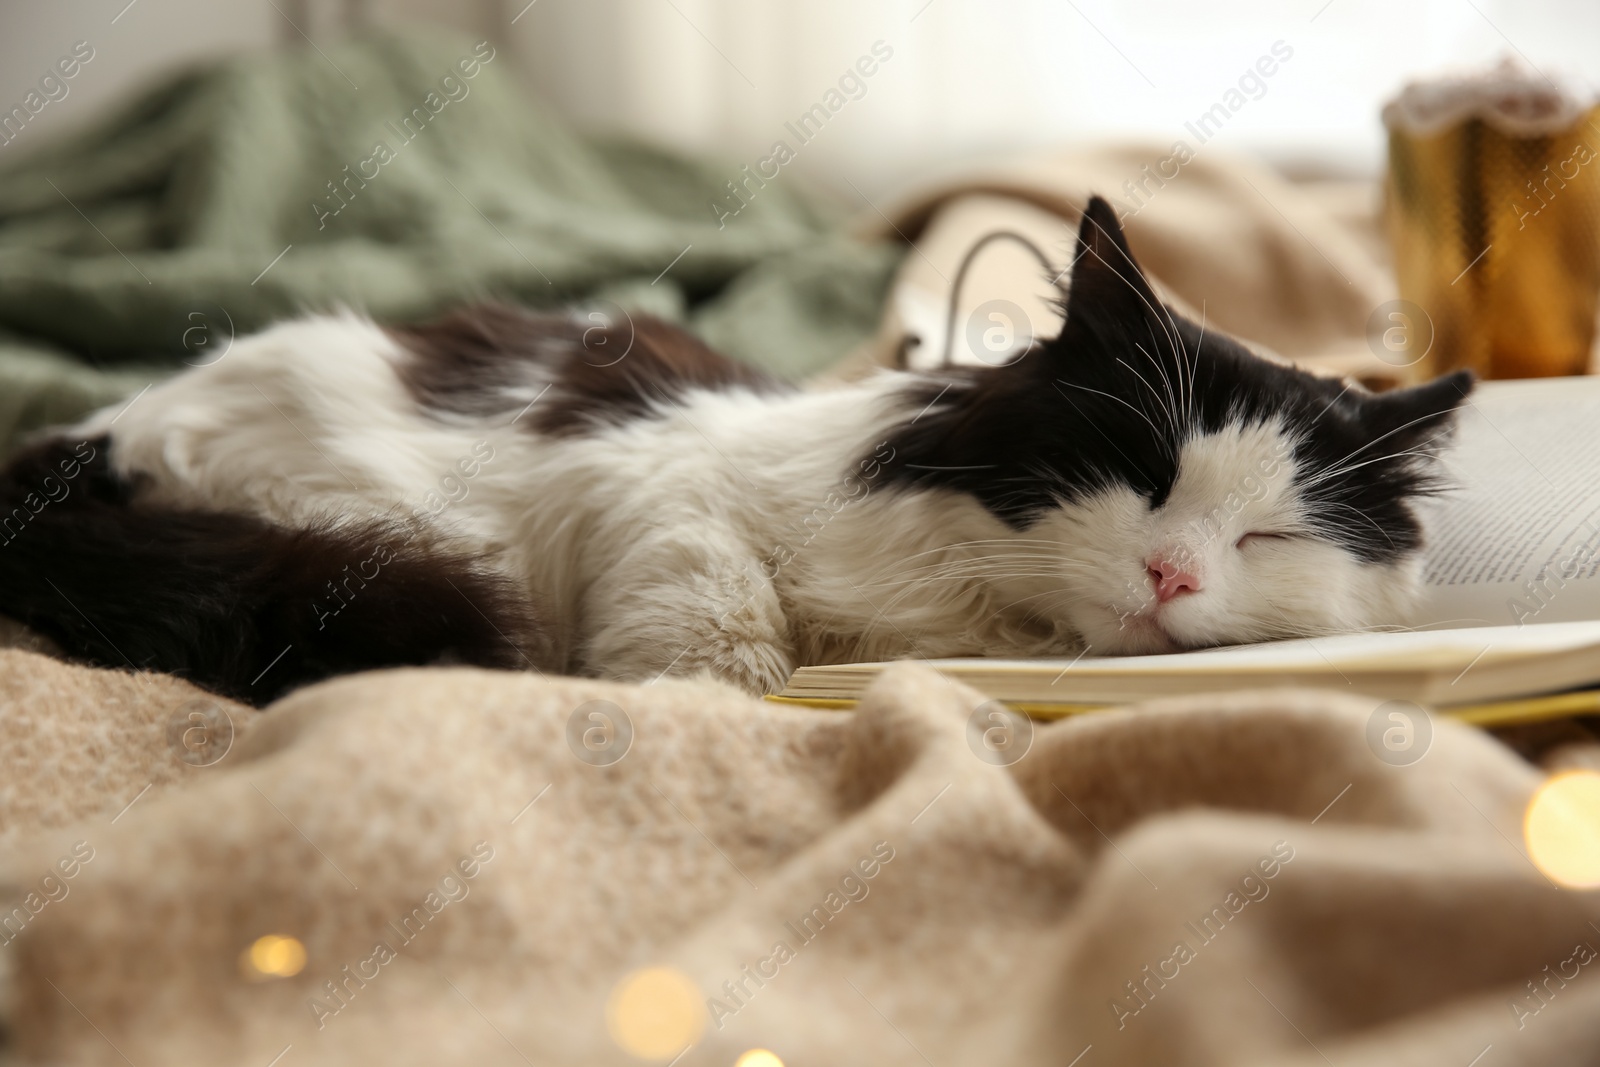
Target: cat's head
x=1164 y=488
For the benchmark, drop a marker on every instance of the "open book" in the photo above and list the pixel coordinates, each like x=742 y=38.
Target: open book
x=1513 y=592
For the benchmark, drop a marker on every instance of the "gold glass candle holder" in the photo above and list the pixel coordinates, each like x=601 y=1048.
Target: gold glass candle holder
x=1493 y=207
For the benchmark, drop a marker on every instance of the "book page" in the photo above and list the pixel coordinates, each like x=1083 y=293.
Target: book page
x=1423 y=649
x=1518 y=540
x=1440 y=667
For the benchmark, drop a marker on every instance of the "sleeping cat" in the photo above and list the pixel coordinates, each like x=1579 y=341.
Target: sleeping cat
x=519 y=490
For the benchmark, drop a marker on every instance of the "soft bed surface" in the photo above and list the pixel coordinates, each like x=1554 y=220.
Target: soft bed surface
x=1006 y=912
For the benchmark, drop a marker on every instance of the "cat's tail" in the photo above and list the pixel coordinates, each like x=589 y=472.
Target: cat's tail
x=243 y=607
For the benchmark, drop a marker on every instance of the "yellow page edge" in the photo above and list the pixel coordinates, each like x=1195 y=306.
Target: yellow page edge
x=1500 y=713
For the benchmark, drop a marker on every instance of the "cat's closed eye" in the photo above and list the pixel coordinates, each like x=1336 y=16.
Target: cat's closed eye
x=1257 y=536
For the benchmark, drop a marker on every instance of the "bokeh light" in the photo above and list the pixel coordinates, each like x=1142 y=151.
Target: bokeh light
x=273 y=956
x=1562 y=829
x=655 y=1013
x=758 y=1057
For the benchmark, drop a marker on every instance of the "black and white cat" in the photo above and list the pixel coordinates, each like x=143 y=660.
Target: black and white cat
x=513 y=489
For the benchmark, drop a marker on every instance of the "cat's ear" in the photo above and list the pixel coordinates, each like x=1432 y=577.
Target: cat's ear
x=1105 y=277
x=1419 y=411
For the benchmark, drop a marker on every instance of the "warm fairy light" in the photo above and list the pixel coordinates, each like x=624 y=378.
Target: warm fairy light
x=758 y=1057
x=1562 y=829
x=655 y=1013
x=273 y=956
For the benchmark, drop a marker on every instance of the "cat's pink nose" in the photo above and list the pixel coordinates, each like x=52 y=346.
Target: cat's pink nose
x=1169 y=579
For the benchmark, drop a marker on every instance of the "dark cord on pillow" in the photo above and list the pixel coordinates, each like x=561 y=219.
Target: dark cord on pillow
x=902 y=354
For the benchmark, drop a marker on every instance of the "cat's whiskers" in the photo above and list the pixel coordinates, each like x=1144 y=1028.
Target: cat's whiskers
x=1172 y=394
x=1186 y=361
x=1161 y=404
x=1330 y=473
x=979 y=589
x=1193 y=364
x=1359 y=514
x=976 y=576
x=908 y=572
x=1162 y=315
x=1156 y=311
x=1381 y=437
x=1166 y=444
x=954 y=545
x=1023 y=600
x=974 y=561
x=986 y=575
x=982 y=564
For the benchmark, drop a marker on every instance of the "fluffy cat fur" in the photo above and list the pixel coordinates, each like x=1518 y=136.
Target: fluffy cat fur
x=619 y=500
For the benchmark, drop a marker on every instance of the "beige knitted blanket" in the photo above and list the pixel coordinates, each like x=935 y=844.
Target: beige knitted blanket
x=478 y=867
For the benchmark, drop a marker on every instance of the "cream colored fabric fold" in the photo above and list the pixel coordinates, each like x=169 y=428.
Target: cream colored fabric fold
x=1006 y=912
x=1296 y=270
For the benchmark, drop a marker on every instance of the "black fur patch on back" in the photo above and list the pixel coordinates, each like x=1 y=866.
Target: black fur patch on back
x=641 y=366
x=494 y=359
x=468 y=362
x=243 y=607
x=1113 y=398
